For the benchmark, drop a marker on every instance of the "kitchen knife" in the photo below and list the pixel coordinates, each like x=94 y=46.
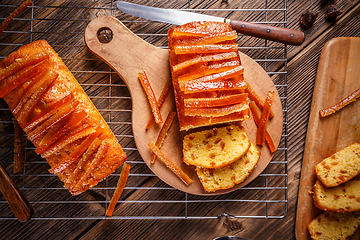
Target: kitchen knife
x=180 y=17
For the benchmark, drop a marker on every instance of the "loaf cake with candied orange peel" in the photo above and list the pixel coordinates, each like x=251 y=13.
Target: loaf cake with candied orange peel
x=58 y=117
x=226 y=177
x=215 y=148
x=207 y=74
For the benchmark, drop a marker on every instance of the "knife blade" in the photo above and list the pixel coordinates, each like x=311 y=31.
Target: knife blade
x=180 y=17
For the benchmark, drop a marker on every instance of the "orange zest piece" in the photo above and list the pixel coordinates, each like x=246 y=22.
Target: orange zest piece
x=216 y=112
x=203 y=59
x=151 y=97
x=214 y=85
x=205 y=48
x=22 y=76
x=14 y=14
x=349 y=99
x=255 y=97
x=37 y=91
x=67 y=140
x=51 y=110
x=256 y=115
x=233 y=72
x=61 y=114
x=260 y=138
x=170 y=165
x=215 y=68
x=77 y=153
x=161 y=100
x=21 y=63
x=119 y=189
x=216 y=101
x=163 y=132
x=100 y=155
x=18 y=147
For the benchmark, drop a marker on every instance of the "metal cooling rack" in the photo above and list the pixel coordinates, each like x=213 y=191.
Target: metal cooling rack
x=49 y=20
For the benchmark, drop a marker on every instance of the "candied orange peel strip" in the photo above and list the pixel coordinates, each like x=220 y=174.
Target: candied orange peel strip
x=203 y=59
x=212 y=39
x=255 y=97
x=205 y=48
x=14 y=14
x=37 y=92
x=233 y=72
x=61 y=114
x=215 y=68
x=256 y=115
x=48 y=112
x=151 y=97
x=216 y=101
x=169 y=164
x=119 y=189
x=21 y=63
x=260 y=138
x=214 y=85
x=162 y=134
x=18 y=148
x=216 y=112
x=77 y=153
x=161 y=100
x=22 y=76
x=349 y=99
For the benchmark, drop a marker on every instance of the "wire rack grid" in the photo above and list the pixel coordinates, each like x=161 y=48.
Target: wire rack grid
x=145 y=196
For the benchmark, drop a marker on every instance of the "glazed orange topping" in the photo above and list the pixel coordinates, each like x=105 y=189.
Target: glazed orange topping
x=349 y=99
x=22 y=63
x=202 y=59
x=163 y=132
x=256 y=115
x=212 y=39
x=13 y=15
x=33 y=95
x=151 y=97
x=255 y=97
x=119 y=189
x=215 y=101
x=75 y=119
x=216 y=111
x=205 y=48
x=161 y=100
x=260 y=138
x=48 y=112
x=214 y=85
x=77 y=153
x=169 y=164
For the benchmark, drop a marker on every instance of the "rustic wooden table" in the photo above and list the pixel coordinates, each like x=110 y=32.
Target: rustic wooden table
x=266 y=209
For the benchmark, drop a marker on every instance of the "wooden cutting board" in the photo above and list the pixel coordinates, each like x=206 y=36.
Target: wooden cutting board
x=128 y=55
x=338 y=76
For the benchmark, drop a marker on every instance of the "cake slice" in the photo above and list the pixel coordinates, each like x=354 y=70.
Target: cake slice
x=215 y=148
x=343 y=198
x=226 y=177
x=339 y=167
x=332 y=225
x=58 y=117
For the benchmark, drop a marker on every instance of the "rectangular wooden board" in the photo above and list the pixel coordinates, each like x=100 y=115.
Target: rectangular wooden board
x=338 y=76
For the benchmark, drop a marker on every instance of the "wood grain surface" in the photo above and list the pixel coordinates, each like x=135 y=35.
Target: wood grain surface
x=301 y=71
x=337 y=77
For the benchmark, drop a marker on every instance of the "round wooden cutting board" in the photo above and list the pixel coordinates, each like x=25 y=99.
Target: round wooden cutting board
x=128 y=55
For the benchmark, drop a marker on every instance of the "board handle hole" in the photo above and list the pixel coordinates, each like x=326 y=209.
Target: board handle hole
x=105 y=35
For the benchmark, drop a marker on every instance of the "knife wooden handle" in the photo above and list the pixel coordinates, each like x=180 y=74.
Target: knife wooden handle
x=16 y=200
x=283 y=35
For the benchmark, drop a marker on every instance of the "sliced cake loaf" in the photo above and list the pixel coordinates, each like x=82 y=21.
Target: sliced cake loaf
x=339 y=167
x=227 y=177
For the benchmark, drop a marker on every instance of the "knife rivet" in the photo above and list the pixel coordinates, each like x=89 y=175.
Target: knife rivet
x=243 y=26
x=291 y=35
x=105 y=35
x=268 y=30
